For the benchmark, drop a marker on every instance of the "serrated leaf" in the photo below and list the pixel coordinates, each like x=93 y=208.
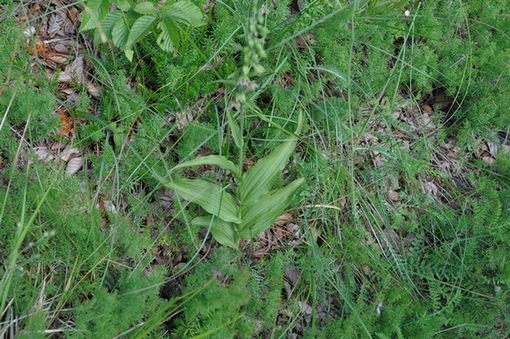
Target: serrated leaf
x=215 y=160
x=222 y=231
x=259 y=215
x=259 y=179
x=120 y=33
x=184 y=12
x=124 y=5
x=168 y=39
x=140 y=28
x=209 y=196
x=146 y=8
x=235 y=130
x=93 y=13
x=109 y=21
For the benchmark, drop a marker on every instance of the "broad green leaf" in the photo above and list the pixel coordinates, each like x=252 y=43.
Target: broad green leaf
x=169 y=38
x=124 y=5
x=184 y=12
x=235 y=129
x=222 y=231
x=94 y=11
x=140 y=28
x=215 y=160
x=120 y=33
x=109 y=21
x=211 y=197
x=129 y=54
x=259 y=179
x=146 y=8
x=259 y=215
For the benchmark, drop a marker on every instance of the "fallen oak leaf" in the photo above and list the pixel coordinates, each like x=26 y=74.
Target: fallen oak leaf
x=74 y=165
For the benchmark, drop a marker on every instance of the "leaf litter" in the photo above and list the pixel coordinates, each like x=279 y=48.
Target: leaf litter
x=51 y=30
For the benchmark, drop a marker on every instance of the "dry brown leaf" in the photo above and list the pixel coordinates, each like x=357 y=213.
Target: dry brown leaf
x=55 y=24
x=74 y=165
x=43 y=154
x=64 y=77
x=73 y=14
x=66 y=127
x=488 y=159
x=182 y=119
x=68 y=90
x=378 y=159
x=58 y=146
x=107 y=205
x=393 y=195
x=68 y=153
x=425 y=123
x=57 y=58
x=93 y=89
x=75 y=69
x=61 y=47
x=427 y=109
x=29 y=32
x=429 y=187
x=492 y=148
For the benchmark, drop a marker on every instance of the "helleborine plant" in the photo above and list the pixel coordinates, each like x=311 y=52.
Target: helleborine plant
x=132 y=20
x=255 y=205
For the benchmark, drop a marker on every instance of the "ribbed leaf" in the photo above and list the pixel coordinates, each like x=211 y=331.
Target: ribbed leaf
x=124 y=5
x=209 y=196
x=184 y=12
x=140 y=28
x=259 y=179
x=120 y=33
x=259 y=215
x=109 y=21
x=94 y=12
x=215 y=160
x=146 y=8
x=223 y=232
x=168 y=39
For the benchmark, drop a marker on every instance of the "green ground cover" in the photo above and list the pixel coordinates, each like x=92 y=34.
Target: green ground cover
x=394 y=115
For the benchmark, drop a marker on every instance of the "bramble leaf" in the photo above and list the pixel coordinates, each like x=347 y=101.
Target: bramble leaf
x=184 y=12
x=94 y=12
x=140 y=28
x=146 y=8
x=168 y=39
x=120 y=32
x=109 y=21
x=124 y=5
